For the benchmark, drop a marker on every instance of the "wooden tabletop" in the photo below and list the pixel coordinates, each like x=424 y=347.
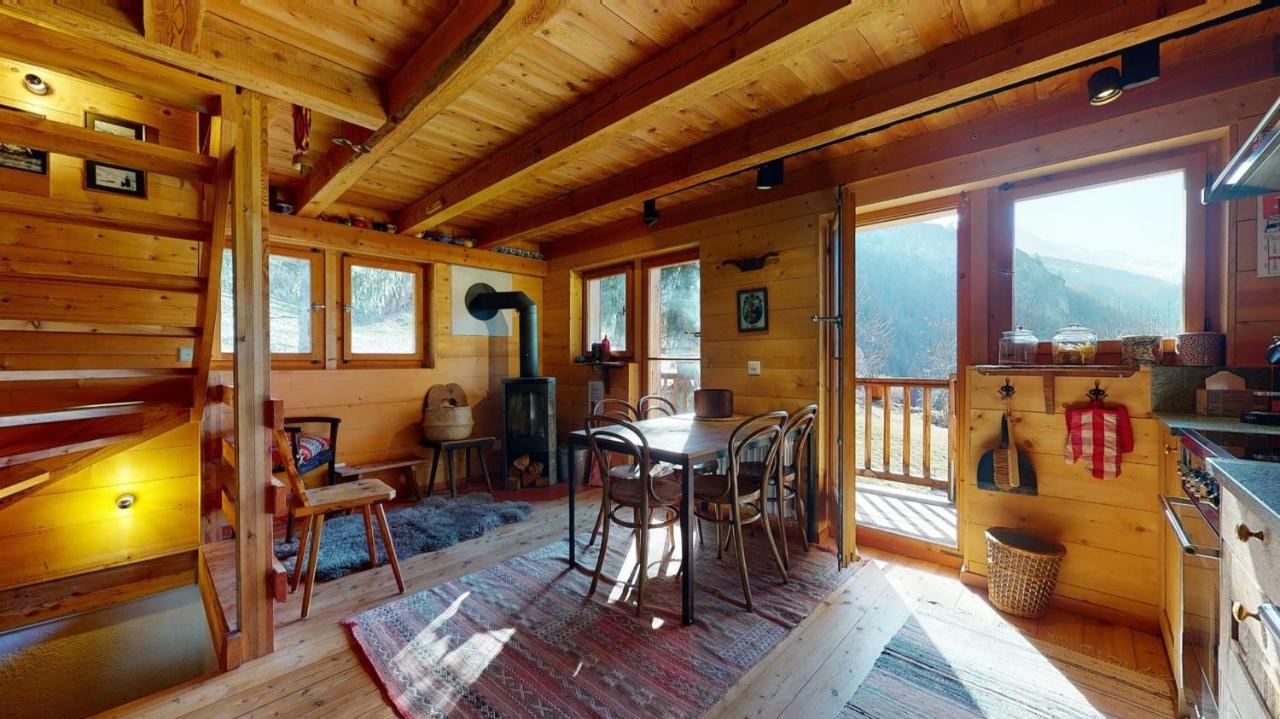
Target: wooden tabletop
x=680 y=439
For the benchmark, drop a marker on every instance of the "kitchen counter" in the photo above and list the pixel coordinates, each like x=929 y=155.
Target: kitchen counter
x=1256 y=484
x=1200 y=423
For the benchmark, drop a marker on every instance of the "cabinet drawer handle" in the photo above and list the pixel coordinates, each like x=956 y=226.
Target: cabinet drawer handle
x=1244 y=534
x=1268 y=615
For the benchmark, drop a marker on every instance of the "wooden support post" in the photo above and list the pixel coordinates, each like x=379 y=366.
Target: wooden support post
x=252 y=376
x=849 y=379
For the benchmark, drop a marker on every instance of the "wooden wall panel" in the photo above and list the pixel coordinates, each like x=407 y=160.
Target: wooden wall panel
x=1111 y=528
x=74 y=526
x=381 y=408
x=788 y=351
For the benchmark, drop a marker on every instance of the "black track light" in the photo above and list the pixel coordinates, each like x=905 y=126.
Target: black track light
x=651 y=215
x=769 y=175
x=1104 y=86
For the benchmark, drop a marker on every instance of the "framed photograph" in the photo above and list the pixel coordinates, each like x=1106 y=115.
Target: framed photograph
x=113 y=178
x=753 y=310
x=22 y=158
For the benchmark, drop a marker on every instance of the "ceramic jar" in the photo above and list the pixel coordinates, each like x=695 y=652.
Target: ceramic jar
x=1141 y=350
x=1202 y=349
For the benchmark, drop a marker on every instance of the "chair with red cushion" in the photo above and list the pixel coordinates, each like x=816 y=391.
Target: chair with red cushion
x=310 y=451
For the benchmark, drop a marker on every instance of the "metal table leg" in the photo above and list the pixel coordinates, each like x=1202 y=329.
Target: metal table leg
x=686 y=545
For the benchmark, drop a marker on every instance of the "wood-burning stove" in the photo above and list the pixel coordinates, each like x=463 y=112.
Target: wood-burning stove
x=528 y=401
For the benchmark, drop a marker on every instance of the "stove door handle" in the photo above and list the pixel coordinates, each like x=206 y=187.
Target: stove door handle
x=1181 y=532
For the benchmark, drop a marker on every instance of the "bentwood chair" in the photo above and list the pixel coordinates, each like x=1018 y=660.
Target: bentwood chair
x=786 y=481
x=653 y=405
x=617 y=409
x=622 y=410
x=310 y=505
x=724 y=498
x=651 y=499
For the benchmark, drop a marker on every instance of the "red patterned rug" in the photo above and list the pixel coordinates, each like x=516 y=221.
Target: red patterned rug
x=520 y=639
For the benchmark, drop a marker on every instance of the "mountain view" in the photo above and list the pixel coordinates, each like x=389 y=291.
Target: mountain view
x=906 y=297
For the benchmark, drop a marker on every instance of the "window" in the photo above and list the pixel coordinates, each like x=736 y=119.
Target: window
x=383 y=310
x=295 y=313
x=673 y=340
x=606 y=297
x=1108 y=252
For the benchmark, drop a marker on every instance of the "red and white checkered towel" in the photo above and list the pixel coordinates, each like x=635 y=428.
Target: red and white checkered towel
x=1098 y=435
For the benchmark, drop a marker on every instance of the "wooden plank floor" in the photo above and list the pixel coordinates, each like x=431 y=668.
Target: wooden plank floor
x=315 y=671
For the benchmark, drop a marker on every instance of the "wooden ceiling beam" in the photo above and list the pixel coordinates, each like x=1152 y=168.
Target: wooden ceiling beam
x=1057 y=36
x=226 y=51
x=728 y=53
x=105 y=65
x=467 y=44
x=175 y=23
x=1214 y=81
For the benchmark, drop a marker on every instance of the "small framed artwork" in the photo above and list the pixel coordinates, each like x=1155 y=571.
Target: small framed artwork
x=753 y=310
x=114 y=178
x=21 y=157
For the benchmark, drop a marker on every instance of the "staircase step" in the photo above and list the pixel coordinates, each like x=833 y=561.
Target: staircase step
x=74 y=413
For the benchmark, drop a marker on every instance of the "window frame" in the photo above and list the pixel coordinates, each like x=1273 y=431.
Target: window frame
x=1195 y=280
x=354 y=359
x=628 y=270
x=287 y=360
x=647 y=266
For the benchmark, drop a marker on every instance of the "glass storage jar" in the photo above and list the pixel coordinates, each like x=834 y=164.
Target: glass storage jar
x=1018 y=346
x=1075 y=345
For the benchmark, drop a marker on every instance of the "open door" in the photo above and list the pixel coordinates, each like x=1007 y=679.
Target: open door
x=838 y=371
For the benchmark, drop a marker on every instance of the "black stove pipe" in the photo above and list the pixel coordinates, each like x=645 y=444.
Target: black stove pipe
x=520 y=302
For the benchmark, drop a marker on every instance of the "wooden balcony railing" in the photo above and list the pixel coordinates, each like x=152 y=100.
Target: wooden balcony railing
x=903 y=430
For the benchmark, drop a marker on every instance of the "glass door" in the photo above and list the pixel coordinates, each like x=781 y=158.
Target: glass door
x=673 y=335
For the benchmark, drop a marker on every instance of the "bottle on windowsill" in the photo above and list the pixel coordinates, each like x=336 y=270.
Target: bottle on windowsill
x=604 y=349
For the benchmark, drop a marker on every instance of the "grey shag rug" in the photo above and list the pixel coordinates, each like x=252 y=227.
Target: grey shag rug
x=432 y=524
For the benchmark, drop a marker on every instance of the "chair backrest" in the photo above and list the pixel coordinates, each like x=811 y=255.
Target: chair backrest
x=609 y=435
x=655 y=403
x=797 y=432
x=763 y=429
x=617 y=409
x=296 y=485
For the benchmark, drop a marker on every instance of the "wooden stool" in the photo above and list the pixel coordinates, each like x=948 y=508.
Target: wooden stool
x=447 y=448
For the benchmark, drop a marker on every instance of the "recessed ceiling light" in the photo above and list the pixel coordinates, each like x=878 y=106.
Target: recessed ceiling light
x=35 y=84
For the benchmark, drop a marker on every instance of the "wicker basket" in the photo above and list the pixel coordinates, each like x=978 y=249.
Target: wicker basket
x=1022 y=570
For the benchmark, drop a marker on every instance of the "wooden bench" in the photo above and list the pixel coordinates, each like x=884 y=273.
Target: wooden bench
x=407 y=465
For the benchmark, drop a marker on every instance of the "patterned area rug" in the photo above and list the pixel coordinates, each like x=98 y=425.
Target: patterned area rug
x=429 y=526
x=945 y=663
x=520 y=639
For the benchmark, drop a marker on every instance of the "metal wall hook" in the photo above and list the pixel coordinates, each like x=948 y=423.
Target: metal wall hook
x=1007 y=390
x=1097 y=394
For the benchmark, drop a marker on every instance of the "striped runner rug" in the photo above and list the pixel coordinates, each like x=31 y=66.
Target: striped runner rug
x=520 y=639
x=947 y=663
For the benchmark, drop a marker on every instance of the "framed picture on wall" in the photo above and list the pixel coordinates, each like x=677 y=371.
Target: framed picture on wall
x=103 y=177
x=753 y=310
x=21 y=157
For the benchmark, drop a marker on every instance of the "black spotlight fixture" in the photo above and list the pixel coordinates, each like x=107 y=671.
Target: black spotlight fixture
x=769 y=175
x=1139 y=65
x=651 y=215
x=1104 y=86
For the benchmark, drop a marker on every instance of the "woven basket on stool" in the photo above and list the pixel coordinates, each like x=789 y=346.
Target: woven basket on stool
x=1022 y=570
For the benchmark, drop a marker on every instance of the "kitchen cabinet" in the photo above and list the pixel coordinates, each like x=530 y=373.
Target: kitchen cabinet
x=1249 y=660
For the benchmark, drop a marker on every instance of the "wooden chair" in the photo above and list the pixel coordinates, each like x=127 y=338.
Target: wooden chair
x=616 y=409
x=310 y=505
x=309 y=451
x=637 y=488
x=714 y=493
x=795 y=438
x=653 y=403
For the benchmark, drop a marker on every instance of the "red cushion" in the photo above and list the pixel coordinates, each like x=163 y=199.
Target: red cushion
x=309 y=445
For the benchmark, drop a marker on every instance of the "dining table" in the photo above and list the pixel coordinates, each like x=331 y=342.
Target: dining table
x=680 y=440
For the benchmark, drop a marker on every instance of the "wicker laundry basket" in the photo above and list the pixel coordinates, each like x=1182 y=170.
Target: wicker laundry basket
x=1022 y=570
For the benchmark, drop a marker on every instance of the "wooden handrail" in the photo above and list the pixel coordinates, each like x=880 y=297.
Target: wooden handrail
x=901 y=381
x=897 y=466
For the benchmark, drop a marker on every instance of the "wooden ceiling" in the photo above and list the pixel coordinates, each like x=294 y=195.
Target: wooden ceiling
x=539 y=119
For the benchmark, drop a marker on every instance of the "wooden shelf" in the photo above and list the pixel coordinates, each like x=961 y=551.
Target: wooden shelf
x=1099 y=370
x=607 y=363
x=600 y=368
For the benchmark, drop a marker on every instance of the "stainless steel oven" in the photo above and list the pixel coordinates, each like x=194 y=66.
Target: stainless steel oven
x=1201 y=553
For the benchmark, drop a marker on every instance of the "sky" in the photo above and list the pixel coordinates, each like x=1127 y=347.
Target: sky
x=1135 y=225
